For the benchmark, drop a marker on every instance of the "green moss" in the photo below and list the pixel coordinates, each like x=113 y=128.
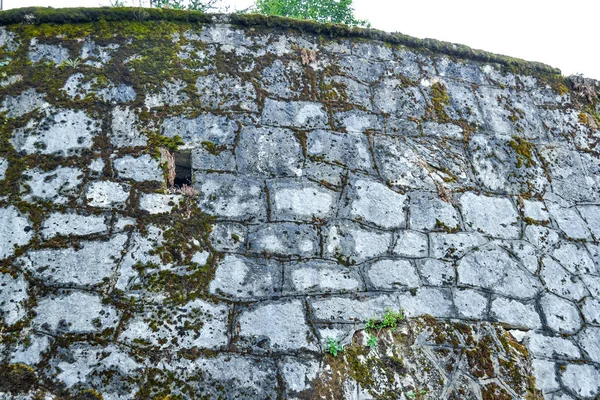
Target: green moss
x=439 y=100
x=524 y=150
x=17 y=378
x=439 y=225
x=214 y=149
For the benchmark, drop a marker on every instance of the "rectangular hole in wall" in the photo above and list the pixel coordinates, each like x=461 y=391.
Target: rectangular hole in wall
x=183 y=168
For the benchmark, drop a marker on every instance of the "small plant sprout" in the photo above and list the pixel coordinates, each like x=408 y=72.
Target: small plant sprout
x=411 y=394
x=334 y=347
x=372 y=341
x=72 y=63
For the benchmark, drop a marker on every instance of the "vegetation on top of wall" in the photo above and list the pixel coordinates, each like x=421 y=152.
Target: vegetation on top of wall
x=37 y=15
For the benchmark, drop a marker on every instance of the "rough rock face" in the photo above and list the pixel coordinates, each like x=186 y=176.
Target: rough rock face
x=213 y=209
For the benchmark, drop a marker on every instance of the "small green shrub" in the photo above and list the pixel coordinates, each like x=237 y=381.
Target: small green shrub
x=372 y=341
x=334 y=347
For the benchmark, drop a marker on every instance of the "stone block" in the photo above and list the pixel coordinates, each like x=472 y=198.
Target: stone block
x=72 y=224
x=428 y=212
x=13 y=295
x=15 y=230
x=493 y=216
x=106 y=194
x=140 y=169
x=318 y=276
x=411 y=244
x=284 y=240
x=393 y=274
x=349 y=243
x=562 y=316
x=300 y=201
x=350 y=150
x=297 y=114
x=58 y=185
x=240 y=277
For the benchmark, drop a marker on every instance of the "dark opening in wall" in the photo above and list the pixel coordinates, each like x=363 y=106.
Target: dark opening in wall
x=183 y=168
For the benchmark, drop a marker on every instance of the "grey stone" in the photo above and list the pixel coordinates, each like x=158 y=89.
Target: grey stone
x=141 y=250
x=569 y=221
x=435 y=129
x=514 y=313
x=72 y=224
x=204 y=159
x=95 y=55
x=427 y=301
x=470 y=304
x=287 y=329
x=436 y=272
x=526 y=253
x=216 y=129
x=372 y=202
x=171 y=94
x=454 y=245
x=228 y=236
x=299 y=374
x=116 y=93
x=353 y=244
x=535 y=210
x=231 y=197
x=323 y=173
x=77 y=312
x=347 y=309
x=494 y=216
x=582 y=379
x=300 y=201
x=7 y=40
x=140 y=169
x=500 y=165
x=3 y=168
x=56 y=186
x=96 y=167
x=124 y=130
x=25 y=102
x=591 y=215
x=242 y=277
x=574 y=258
x=541 y=237
x=196 y=324
x=49 y=52
x=589 y=341
x=91 y=264
x=106 y=194
x=393 y=274
x=278 y=77
x=562 y=316
x=318 y=276
x=15 y=230
x=411 y=244
x=358 y=121
x=284 y=239
x=269 y=151
x=391 y=97
x=156 y=203
x=590 y=309
x=13 y=293
x=551 y=346
x=297 y=114
x=492 y=268
x=368 y=71
x=350 y=150
x=63 y=133
x=561 y=282
x=350 y=91
x=428 y=212
x=570 y=178
x=31 y=353
x=545 y=375
x=226 y=92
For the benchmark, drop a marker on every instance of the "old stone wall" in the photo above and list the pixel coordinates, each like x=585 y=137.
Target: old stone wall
x=212 y=207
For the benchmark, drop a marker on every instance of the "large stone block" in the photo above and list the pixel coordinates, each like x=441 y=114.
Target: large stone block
x=300 y=201
x=493 y=216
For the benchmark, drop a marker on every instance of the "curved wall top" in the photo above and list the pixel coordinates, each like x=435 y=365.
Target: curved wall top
x=204 y=206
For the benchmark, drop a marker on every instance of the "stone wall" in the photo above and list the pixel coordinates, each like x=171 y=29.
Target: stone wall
x=208 y=206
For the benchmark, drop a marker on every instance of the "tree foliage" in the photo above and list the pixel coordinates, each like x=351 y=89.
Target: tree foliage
x=201 y=5
x=336 y=11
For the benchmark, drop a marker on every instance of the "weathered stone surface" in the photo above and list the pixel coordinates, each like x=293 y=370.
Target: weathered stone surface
x=515 y=313
x=584 y=380
x=73 y=224
x=427 y=301
x=57 y=186
x=232 y=198
x=284 y=239
x=3 y=168
x=216 y=129
x=228 y=236
x=569 y=221
x=591 y=310
x=140 y=169
x=286 y=331
x=76 y=312
x=353 y=244
x=25 y=102
x=391 y=274
x=31 y=354
x=63 y=133
x=106 y=194
x=493 y=216
x=492 y=268
x=197 y=324
x=411 y=244
x=124 y=132
x=300 y=201
x=551 y=346
x=156 y=203
x=562 y=316
x=428 y=212
x=470 y=304
x=320 y=277
x=351 y=309
x=350 y=149
x=589 y=342
x=13 y=293
x=372 y=202
x=454 y=245
x=48 y=52
x=226 y=92
x=436 y=272
x=242 y=277
x=268 y=152
x=15 y=230
x=561 y=282
x=91 y=264
x=298 y=114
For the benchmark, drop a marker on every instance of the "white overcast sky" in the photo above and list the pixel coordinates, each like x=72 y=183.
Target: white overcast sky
x=563 y=34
